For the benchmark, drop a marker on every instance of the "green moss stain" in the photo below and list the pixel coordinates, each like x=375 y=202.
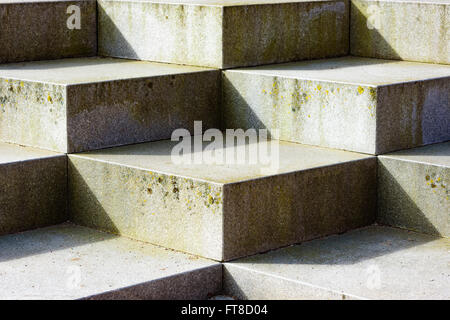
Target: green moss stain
x=33 y=114
x=438 y=183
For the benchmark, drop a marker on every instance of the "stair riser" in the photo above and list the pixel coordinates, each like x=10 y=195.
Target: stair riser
x=222 y=222
x=400 y=30
x=328 y=114
x=91 y=116
x=414 y=196
x=223 y=37
x=38 y=31
x=33 y=194
x=249 y=285
x=198 y=284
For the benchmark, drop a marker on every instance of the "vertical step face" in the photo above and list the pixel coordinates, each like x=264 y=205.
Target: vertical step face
x=414 y=189
x=74 y=105
x=370 y=263
x=33 y=188
x=225 y=33
x=401 y=29
x=358 y=104
x=221 y=211
x=41 y=30
x=72 y=262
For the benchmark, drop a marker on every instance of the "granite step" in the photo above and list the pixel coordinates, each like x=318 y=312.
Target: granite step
x=72 y=262
x=370 y=263
x=222 y=210
x=223 y=33
x=359 y=104
x=74 y=105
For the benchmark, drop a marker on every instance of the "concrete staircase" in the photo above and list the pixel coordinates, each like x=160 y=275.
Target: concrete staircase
x=355 y=95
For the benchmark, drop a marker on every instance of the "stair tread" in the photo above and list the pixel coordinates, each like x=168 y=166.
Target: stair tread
x=89 y=70
x=156 y=156
x=102 y=262
x=435 y=154
x=353 y=70
x=16 y=153
x=410 y=266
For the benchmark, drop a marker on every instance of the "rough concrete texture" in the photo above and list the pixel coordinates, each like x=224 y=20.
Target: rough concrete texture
x=222 y=211
x=38 y=30
x=225 y=33
x=87 y=264
x=413 y=189
x=370 y=263
x=358 y=104
x=401 y=29
x=33 y=188
x=73 y=105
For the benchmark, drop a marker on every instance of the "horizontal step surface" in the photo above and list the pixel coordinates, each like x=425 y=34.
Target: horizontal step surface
x=43 y=30
x=358 y=104
x=370 y=263
x=413 y=189
x=225 y=33
x=72 y=262
x=222 y=211
x=73 y=105
x=33 y=188
x=405 y=30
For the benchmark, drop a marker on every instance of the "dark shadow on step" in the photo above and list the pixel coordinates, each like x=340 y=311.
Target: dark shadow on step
x=396 y=208
x=84 y=206
x=88 y=212
x=47 y=240
x=110 y=36
x=365 y=39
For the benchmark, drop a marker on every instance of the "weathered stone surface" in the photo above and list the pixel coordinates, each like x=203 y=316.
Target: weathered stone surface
x=401 y=29
x=414 y=189
x=73 y=105
x=33 y=188
x=72 y=262
x=358 y=104
x=370 y=263
x=38 y=30
x=223 y=33
x=221 y=211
